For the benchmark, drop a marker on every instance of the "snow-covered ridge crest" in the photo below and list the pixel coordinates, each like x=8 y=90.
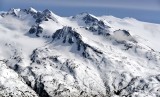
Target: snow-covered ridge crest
x=39 y=15
x=45 y=55
x=71 y=36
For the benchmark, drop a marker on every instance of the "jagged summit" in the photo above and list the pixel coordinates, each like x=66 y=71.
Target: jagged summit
x=47 y=12
x=92 y=23
x=30 y=10
x=84 y=14
x=71 y=36
x=45 y=55
x=13 y=11
x=67 y=34
x=16 y=11
x=38 y=15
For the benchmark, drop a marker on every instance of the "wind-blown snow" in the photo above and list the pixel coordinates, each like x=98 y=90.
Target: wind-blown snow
x=148 y=33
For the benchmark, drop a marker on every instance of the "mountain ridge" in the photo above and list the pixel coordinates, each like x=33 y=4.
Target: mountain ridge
x=78 y=56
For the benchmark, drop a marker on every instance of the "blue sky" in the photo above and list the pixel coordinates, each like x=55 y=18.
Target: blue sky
x=144 y=10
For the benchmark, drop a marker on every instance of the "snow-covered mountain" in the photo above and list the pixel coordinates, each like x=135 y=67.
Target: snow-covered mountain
x=45 y=55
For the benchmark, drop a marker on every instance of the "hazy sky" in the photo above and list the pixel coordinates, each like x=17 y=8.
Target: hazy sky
x=145 y=10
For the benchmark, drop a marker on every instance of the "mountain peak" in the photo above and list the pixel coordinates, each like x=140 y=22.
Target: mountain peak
x=31 y=9
x=47 y=11
x=82 y=15
x=50 y=14
x=14 y=11
x=67 y=34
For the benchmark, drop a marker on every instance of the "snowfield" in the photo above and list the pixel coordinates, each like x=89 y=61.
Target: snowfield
x=45 y=55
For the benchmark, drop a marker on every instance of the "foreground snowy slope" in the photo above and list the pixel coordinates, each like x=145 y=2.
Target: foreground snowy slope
x=45 y=55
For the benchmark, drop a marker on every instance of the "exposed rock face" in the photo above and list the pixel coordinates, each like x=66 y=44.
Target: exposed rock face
x=93 y=24
x=81 y=56
x=37 y=30
x=13 y=85
x=69 y=35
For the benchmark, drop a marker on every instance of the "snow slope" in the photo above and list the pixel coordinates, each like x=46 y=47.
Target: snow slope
x=45 y=55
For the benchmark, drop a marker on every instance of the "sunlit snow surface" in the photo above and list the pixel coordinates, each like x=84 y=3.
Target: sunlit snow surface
x=82 y=55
